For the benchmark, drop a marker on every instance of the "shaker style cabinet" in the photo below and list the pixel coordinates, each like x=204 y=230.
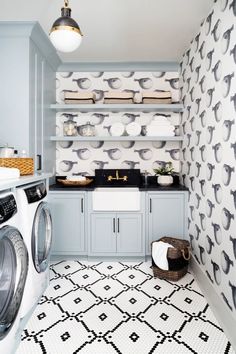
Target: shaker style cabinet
x=68 y=217
x=166 y=214
x=81 y=231
x=28 y=64
x=41 y=92
x=114 y=234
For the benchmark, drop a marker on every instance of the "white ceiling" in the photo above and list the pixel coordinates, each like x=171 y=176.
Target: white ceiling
x=119 y=30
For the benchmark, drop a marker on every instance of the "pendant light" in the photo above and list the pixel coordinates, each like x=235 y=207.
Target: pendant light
x=65 y=34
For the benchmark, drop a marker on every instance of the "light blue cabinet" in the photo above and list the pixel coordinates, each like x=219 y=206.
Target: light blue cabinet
x=68 y=216
x=27 y=67
x=78 y=230
x=166 y=214
x=116 y=234
x=36 y=104
x=103 y=233
x=129 y=233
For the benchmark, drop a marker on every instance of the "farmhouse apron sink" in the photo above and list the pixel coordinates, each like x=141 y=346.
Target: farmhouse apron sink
x=116 y=199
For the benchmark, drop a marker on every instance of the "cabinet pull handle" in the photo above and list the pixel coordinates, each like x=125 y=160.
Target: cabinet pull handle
x=82 y=205
x=39 y=162
x=114 y=225
x=150 y=205
x=118 y=225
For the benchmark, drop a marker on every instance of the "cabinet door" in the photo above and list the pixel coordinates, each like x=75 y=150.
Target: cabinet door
x=39 y=111
x=36 y=104
x=49 y=151
x=103 y=233
x=42 y=124
x=68 y=224
x=129 y=233
x=166 y=216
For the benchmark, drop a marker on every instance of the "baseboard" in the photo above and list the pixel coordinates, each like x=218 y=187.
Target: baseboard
x=59 y=258
x=218 y=307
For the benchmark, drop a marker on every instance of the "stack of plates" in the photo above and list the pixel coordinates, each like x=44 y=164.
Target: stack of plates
x=160 y=126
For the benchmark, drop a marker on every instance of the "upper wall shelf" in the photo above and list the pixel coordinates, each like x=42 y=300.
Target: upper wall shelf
x=174 y=107
x=116 y=138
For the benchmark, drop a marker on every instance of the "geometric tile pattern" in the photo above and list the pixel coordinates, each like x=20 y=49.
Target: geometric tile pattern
x=120 y=308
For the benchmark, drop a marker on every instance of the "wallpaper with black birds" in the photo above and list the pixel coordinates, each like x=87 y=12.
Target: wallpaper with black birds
x=208 y=160
x=82 y=158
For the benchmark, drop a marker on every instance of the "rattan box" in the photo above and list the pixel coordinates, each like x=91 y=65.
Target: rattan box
x=180 y=253
x=24 y=164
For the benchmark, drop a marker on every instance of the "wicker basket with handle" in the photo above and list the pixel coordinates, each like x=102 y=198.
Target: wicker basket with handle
x=25 y=165
x=179 y=255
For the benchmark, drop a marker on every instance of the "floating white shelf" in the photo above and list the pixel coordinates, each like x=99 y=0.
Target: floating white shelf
x=175 y=107
x=116 y=138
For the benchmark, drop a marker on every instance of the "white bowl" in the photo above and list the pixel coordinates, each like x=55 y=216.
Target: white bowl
x=133 y=129
x=117 y=129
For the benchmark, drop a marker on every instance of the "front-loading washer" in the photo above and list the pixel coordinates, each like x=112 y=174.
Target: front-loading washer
x=37 y=232
x=13 y=273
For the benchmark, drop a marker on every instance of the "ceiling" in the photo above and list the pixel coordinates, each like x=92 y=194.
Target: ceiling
x=120 y=30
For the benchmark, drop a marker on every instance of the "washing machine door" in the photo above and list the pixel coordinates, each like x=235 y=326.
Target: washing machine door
x=41 y=237
x=13 y=273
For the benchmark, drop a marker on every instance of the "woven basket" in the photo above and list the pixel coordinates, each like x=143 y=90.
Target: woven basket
x=180 y=252
x=25 y=165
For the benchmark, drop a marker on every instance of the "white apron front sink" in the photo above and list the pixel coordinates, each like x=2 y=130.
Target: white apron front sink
x=116 y=199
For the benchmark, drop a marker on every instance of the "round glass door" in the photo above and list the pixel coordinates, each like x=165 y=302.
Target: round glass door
x=13 y=272
x=41 y=237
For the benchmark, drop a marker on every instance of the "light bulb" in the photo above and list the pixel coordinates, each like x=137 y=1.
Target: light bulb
x=65 y=40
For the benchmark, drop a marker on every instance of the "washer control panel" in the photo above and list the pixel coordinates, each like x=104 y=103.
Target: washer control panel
x=8 y=208
x=36 y=193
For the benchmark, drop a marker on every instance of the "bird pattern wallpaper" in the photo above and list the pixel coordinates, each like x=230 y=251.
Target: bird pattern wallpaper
x=208 y=154
x=82 y=158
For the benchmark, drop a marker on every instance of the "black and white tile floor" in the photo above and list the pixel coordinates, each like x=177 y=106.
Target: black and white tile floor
x=119 y=308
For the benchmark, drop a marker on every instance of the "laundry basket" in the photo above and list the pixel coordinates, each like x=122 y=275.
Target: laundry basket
x=25 y=165
x=178 y=258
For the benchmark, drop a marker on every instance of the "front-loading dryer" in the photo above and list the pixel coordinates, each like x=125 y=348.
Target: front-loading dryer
x=37 y=232
x=13 y=273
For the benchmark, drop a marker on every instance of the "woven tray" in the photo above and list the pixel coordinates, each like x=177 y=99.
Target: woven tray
x=181 y=249
x=75 y=183
x=25 y=165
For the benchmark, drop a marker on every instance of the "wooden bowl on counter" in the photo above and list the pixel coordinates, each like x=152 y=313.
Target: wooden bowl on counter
x=75 y=183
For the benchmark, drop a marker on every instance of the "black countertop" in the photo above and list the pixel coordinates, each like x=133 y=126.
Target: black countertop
x=144 y=188
x=151 y=185
x=158 y=188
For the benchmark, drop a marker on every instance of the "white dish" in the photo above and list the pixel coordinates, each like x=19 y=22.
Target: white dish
x=133 y=129
x=117 y=129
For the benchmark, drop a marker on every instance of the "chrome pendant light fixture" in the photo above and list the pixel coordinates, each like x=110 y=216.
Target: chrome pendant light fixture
x=65 y=33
